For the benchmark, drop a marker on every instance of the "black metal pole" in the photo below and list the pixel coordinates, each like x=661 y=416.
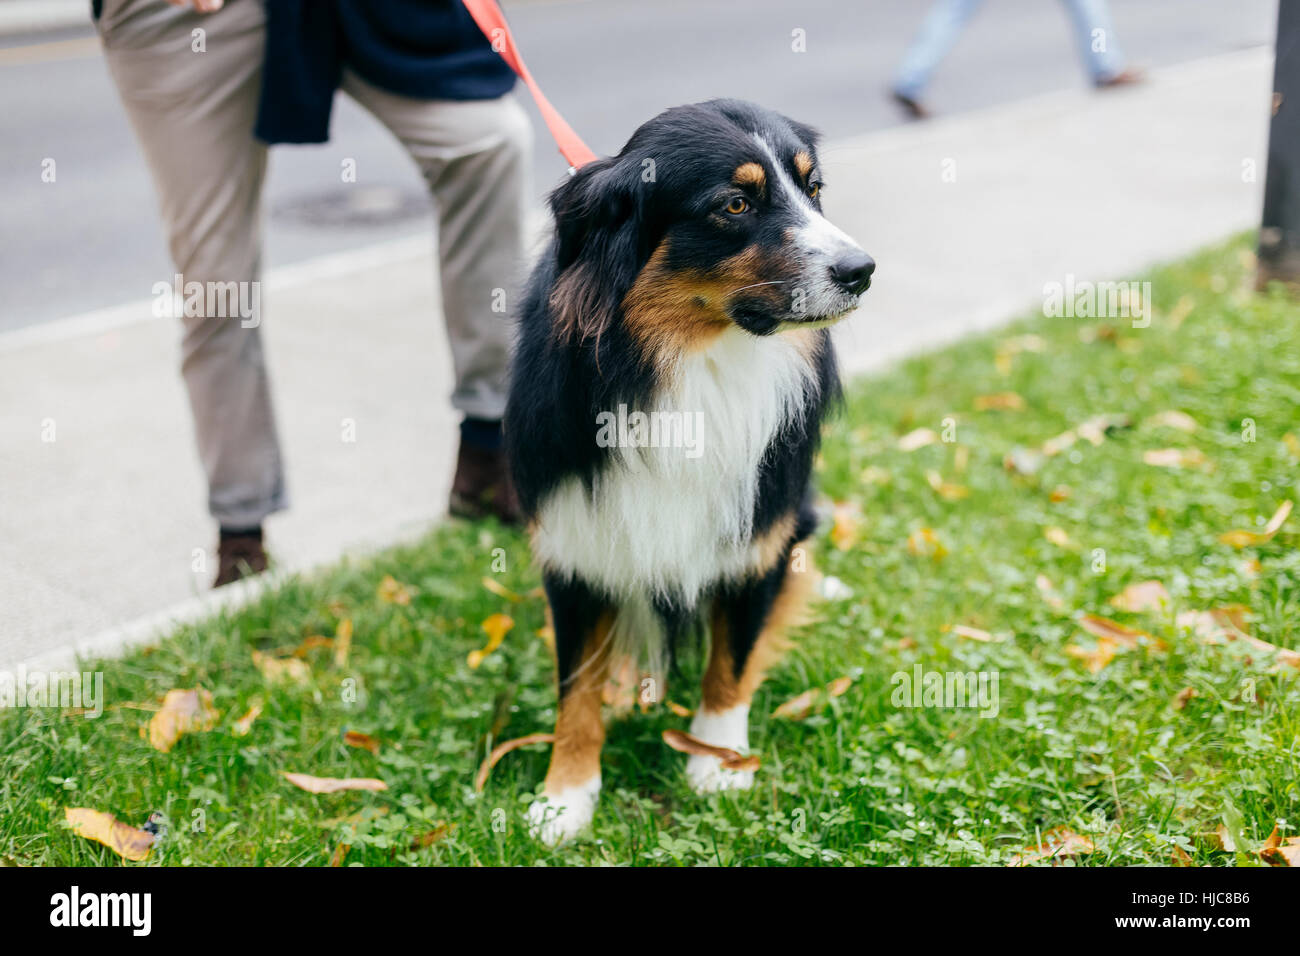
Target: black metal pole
x=1279 y=235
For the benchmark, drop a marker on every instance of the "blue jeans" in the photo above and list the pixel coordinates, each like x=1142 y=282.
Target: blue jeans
x=1093 y=32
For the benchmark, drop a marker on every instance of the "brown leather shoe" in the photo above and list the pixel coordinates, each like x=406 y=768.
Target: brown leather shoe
x=482 y=486
x=913 y=107
x=1123 y=78
x=239 y=554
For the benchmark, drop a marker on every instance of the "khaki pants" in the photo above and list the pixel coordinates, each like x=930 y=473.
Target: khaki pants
x=193 y=114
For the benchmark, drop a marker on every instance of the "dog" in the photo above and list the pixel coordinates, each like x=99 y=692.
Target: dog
x=673 y=366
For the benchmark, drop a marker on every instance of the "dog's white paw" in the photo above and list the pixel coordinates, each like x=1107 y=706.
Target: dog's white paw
x=560 y=816
x=728 y=728
x=706 y=775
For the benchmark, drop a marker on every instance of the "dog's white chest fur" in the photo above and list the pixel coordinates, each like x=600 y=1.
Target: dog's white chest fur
x=671 y=521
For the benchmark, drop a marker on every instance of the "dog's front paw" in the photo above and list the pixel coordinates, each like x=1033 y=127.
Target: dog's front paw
x=560 y=816
x=730 y=729
x=706 y=775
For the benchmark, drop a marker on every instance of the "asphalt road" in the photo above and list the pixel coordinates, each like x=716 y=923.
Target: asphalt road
x=90 y=240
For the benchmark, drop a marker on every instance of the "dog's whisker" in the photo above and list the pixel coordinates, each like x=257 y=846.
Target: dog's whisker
x=757 y=284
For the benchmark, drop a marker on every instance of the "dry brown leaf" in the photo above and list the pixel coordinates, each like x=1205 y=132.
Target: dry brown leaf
x=1180 y=857
x=917 y=438
x=500 y=590
x=1055 y=844
x=1179 y=421
x=801 y=705
x=496 y=626
x=1049 y=593
x=1174 y=457
x=679 y=710
x=501 y=749
x=425 y=840
x=546 y=634
x=1054 y=446
x=1059 y=493
x=391 y=591
x=361 y=741
x=126 y=841
x=342 y=642
x=1096 y=658
x=305 y=781
x=1286 y=853
x=311 y=642
x=839 y=686
x=1225 y=624
x=1183 y=696
x=731 y=759
x=1104 y=627
x=340 y=854
x=1057 y=536
x=999 y=401
x=278 y=669
x=1143 y=596
x=1243 y=539
x=946 y=490
x=244 y=725
x=845 y=520
x=975 y=634
x=183 y=712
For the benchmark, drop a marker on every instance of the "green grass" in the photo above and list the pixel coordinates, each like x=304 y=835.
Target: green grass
x=862 y=781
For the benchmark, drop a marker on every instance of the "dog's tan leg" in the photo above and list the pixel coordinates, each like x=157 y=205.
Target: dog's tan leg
x=573 y=780
x=750 y=627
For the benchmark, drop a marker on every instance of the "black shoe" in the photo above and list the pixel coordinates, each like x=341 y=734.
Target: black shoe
x=239 y=554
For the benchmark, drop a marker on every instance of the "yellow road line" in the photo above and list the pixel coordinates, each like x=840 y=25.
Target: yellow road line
x=78 y=49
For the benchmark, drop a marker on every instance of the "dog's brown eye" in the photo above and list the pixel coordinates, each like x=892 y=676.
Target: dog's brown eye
x=814 y=189
x=737 y=205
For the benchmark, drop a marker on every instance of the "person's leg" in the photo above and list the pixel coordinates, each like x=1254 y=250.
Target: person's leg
x=476 y=157
x=942 y=25
x=1094 y=32
x=192 y=100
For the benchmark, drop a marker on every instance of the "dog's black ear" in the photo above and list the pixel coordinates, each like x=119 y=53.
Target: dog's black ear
x=599 y=245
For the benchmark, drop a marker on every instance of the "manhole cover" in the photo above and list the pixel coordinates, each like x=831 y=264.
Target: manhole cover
x=355 y=205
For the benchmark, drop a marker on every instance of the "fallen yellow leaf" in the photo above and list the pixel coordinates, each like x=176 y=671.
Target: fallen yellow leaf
x=277 y=669
x=305 y=781
x=999 y=401
x=342 y=642
x=1179 y=421
x=844 y=524
x=918 y=438
x=496 y=626
x=1174 y=457
x=361 y=741
x=1054 y=845
x=975 y=634
x=1242 y=539
x=1057 y=536
x=924 y=543
x=183 y=712
x=1143 y=596
x=500 y=590
x=946 y=490
x=126 y=841
x=393 y=592
x=244 y=725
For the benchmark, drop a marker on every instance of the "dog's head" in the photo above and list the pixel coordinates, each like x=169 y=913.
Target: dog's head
x=710 y=217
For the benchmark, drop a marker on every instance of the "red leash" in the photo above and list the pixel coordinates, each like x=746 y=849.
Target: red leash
x=487 y=14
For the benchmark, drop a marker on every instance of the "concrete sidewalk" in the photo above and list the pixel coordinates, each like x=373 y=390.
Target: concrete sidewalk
x=967 y=217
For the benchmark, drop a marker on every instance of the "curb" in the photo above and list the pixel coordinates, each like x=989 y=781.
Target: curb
x=18 y=17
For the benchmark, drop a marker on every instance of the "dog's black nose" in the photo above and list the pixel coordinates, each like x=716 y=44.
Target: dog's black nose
x=853 y=272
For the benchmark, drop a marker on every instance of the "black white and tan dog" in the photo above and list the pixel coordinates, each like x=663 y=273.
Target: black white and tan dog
x=691 y=278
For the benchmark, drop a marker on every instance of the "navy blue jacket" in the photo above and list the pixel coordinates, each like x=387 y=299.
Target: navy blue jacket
x=425 y=49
